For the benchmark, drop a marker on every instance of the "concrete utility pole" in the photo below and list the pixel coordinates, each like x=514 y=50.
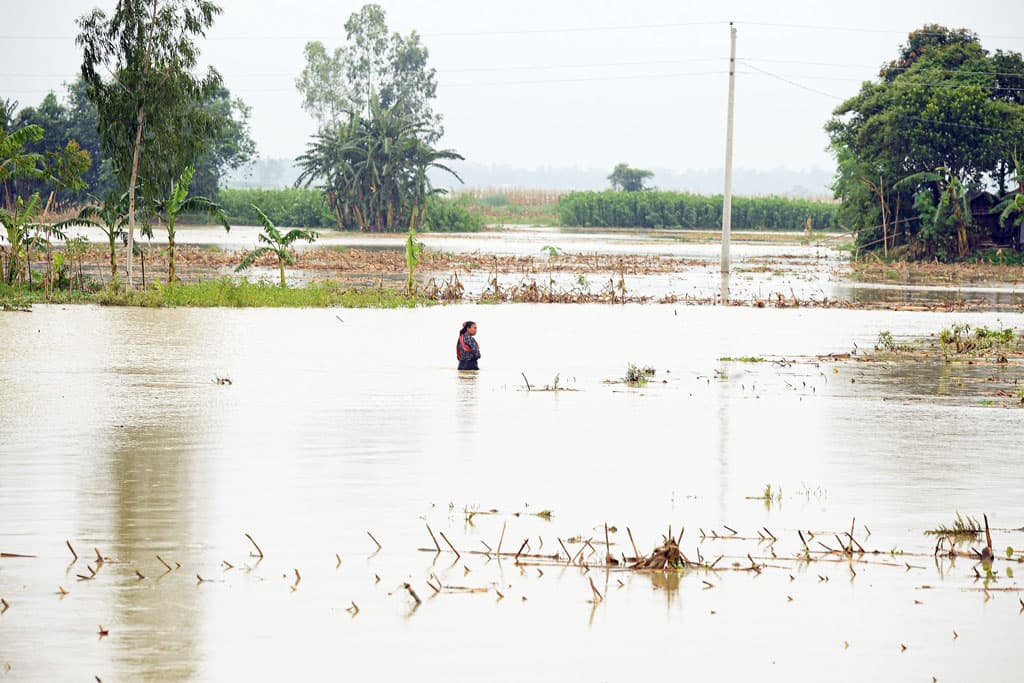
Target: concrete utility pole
x=727 y=198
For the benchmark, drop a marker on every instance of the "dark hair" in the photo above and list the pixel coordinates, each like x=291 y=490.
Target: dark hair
x=465 y=326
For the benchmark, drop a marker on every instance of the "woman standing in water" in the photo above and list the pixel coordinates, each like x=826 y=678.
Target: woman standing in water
x=466 y=349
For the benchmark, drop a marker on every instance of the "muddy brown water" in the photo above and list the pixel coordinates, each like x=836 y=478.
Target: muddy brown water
x=114 y=435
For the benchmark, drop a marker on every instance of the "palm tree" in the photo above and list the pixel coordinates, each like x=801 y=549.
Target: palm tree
x=277 y=244
x=178 y=203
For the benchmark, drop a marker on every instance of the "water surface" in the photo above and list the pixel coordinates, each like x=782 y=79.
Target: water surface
x=114 y=435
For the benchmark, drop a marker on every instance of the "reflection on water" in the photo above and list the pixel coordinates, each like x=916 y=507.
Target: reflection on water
x=115 y=437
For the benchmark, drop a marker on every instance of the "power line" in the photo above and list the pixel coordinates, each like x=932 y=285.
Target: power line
x=442 y=34
x=856 y=29
x=466 y=85
x=534 y=67
x=897 y=84
x=959 y=125
x=565 y=29
x=793 y=83
x=873 y=66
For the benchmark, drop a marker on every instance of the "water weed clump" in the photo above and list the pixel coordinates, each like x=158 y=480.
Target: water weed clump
x=963 y=526
x=958 y=339
x=638 y=375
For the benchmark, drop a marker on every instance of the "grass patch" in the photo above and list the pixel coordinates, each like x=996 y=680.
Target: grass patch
x=963 y=526
x=962 y=339
x=223 y=293
x=743 y=359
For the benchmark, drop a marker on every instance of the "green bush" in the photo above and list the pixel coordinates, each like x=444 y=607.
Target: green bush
x=291 y=207
x=450 y=215
x=305 y=208
x=682 y=210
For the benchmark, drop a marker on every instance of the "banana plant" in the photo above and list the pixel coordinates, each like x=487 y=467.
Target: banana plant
x=110 y=216
x=178 y=202
x=373 y=168
x=18 y=221
x=1011 y=207
x=276 y=243
x=413 y=252
x=15 y=162
x=953 y=208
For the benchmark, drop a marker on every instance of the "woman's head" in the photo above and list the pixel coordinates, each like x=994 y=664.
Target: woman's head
x=468 y=326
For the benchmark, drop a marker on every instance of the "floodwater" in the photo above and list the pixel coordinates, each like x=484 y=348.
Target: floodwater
x=761 y=270
x=115 y=436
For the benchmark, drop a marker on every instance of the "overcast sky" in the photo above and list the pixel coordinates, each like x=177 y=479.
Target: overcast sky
x=537 y=83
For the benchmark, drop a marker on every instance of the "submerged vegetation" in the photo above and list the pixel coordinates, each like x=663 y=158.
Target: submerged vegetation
x=225 y=292
x=963 y=526
x=638 y=375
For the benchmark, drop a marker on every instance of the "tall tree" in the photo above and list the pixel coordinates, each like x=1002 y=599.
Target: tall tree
x=151 y=119
x=374 y=63
x=628 y=179
x=944 y=119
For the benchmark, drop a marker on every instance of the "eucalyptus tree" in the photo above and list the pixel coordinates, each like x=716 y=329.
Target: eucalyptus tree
x=277 y=243
x=150 y=122
x=177 y=203
x=374 y=62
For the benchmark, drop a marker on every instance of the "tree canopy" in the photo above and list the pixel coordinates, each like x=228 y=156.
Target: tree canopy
x=373 y=63
x=628 y=179
x=139 y=66
x=944 y=118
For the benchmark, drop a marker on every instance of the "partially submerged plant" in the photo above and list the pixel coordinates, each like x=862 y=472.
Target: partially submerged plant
x=963 y=526
x=277 y=244
x=885 y=342
x=959 y=339
x=638 y=375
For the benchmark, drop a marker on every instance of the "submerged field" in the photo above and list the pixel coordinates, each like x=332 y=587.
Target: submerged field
x=609 y=266
x=175 y=432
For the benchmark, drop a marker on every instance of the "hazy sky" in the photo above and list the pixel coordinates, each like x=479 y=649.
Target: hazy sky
x=534 y=84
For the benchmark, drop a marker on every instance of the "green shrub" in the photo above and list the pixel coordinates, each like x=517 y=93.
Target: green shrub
x=682 y=210
x=305 y=208
x=450 y=215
